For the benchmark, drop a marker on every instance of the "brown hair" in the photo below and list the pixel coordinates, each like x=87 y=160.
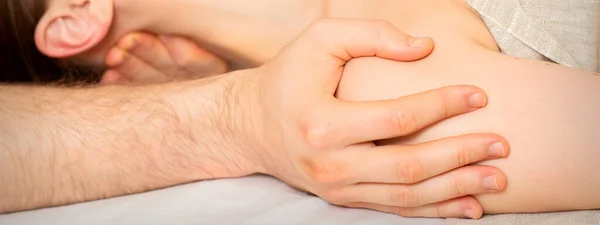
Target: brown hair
x=20 y=60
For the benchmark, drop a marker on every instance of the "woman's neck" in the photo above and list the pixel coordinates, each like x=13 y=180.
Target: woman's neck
x=249 y=33
x=245 y=32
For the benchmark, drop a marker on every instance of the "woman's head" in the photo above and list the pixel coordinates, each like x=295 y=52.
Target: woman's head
x=41 y=39
x=44 y=40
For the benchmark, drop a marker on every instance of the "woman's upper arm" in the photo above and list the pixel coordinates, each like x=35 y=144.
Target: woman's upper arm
x=548 y=113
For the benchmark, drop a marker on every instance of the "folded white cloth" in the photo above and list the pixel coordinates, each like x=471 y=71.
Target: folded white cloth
x=591 y=217
x=566 y=32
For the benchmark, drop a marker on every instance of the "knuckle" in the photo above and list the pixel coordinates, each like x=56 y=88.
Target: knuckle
x=460 y=188
x=386 y=32
x=317 y=136
x=318 y=131
x=405 y=196
x=403 y=121
x=439 y=213
x=410 y=171
x=323 y=173
x=450 y=103
x=445 y=111
x=383 y=26
x=463 y=156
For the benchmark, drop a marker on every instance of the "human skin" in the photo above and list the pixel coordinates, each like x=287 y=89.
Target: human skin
x=463 y=33
x=548 y=111
x=68 y=145
x=141 y=58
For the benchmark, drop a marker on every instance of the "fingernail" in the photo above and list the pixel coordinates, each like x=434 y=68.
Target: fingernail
x=418 y=42
x=496 y=150
x=491 y=183
x=477 y=100
x=469 y=213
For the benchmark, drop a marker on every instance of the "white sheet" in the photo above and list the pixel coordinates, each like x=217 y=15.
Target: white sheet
x=249 y=201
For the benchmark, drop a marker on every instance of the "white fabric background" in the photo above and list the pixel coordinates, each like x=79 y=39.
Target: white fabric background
x=248 y=201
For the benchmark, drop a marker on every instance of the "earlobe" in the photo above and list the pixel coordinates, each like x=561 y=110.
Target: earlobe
x=71 y=27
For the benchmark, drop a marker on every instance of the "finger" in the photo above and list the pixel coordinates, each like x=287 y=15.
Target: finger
x=412 y=164
x=356 y=122
x=110 y=77
x=329 y=43
x=149 y=49
x=132 y=69
x=465 y=207
x=461 y=182
x=192 y=58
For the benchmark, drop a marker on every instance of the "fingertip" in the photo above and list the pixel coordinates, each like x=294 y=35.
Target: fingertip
x=129 y=42
x=477 y=100
x=115 y=57
x=419 y=42
x=144 y=43
x=471 y=208
x=424 y=46
x=502 y=181
x=498 y=146
x=110 y=77
x=506 y=147
x=411 y=48
x=473 y=97
x=494 y=179
x=476 y=97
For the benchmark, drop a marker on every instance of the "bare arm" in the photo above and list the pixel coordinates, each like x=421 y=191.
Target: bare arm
x=60 y=146
x=549 y=114
x=63 y=146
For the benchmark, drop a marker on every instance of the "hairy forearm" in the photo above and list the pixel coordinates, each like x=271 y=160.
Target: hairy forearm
x=61 y=146
x=548 y=113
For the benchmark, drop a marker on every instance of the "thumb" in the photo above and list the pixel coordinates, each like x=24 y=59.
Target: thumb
x=319 y=54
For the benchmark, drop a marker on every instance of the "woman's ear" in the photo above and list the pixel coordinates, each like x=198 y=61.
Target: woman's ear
x=70 y=27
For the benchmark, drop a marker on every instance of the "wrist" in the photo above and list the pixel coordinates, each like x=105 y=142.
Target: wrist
x=222 y=113
x=244 y=114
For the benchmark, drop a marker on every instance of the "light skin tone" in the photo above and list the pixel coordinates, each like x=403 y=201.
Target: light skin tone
x=141 y=58
x=547 y=111
x=91 y=143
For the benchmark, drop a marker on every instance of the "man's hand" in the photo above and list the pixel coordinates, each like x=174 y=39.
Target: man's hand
x=141 y=58
x=317 y=143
